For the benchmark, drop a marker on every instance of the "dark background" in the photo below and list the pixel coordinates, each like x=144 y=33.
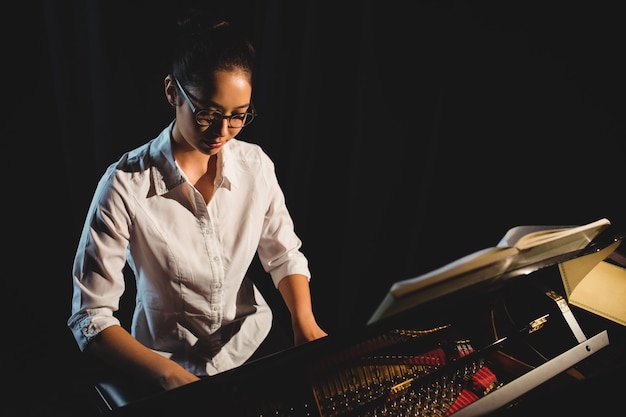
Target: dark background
x=405 y=135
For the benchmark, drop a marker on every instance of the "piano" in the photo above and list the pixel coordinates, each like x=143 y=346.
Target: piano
x=507 y=346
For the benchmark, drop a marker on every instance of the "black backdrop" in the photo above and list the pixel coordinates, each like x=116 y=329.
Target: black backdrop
x=405 y=134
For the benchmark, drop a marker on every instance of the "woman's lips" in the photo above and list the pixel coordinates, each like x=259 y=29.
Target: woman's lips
x=214 y=145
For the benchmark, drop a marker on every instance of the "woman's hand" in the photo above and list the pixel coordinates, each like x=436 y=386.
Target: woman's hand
x=306 y=331
x=297 y=295
x=176 y=376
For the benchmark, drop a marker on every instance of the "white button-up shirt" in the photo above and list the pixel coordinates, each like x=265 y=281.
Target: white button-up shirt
x=194 y=303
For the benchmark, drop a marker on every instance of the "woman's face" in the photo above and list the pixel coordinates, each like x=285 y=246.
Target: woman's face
x=227 y=93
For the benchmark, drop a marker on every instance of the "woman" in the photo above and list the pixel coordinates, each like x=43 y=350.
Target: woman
x=187 y=211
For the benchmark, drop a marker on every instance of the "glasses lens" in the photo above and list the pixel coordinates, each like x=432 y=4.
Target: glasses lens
x=247 y=119
x=206 y=119
x=236 y=121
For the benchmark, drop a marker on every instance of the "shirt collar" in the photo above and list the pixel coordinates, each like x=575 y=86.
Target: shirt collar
x=165 y=172
x=167 y=175
x=226 y=166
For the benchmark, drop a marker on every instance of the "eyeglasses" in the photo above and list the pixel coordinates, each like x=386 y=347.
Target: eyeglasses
x=206 y=118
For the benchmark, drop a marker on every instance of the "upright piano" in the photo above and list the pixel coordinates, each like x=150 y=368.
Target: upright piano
x=510 y=345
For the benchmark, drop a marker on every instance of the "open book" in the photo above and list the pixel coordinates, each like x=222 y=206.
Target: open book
x=521 y=246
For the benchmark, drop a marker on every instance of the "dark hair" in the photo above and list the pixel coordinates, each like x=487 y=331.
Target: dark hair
x=205 y=44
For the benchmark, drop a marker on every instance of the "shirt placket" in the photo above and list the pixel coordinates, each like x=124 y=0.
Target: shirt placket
x=214 y=261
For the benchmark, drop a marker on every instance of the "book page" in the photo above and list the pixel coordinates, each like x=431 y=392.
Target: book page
x=546 y=244
x=468 y=263
x=470 y=270
x=514 y=234
x=585 y=234
x=596 y=285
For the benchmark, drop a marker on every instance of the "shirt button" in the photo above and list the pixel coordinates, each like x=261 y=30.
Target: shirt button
x=89 y=331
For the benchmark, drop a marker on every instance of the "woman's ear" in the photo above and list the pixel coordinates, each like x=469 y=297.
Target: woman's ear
x=170 y=90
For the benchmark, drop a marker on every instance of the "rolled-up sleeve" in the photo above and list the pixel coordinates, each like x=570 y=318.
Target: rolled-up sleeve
x=98 y=279
x=279 y=246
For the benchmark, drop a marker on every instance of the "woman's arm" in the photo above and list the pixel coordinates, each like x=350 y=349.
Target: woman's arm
x=116 y=347
x=296 y=292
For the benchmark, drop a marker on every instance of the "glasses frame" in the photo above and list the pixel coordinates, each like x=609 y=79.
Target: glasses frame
x=249 y=115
